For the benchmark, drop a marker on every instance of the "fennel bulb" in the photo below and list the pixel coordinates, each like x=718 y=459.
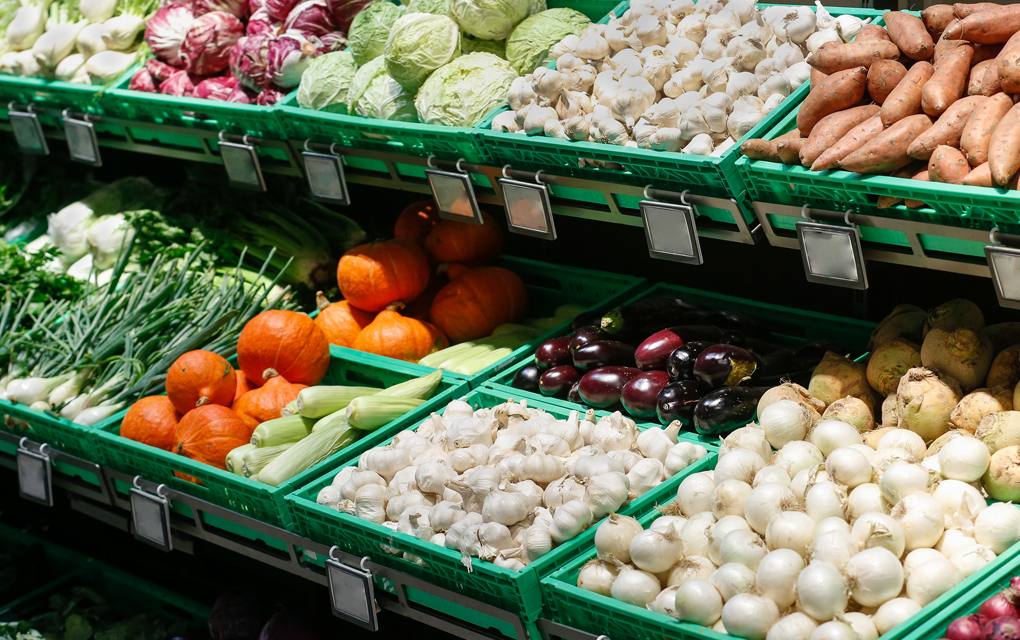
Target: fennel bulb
x=69 y=66
x=28 y=24
x=90 y=41
x=120 y=32
x=106 y=66
x=96 y=11
x=82 y=268
x=57 y=43
x=67 y=229
x=106 y=237
x=9 y=63
x=26 y=65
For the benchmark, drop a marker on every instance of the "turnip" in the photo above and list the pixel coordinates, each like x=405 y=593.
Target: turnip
x=1005 y=369
x=791 y=391
x=963 y=353
x=1002 y=480
x=999 y=430
x=853 y=411
x=889 y=362
x=953 y=315
x=873 y=437
x=924 y=400
x=889 y=418
x=837 y=377
x=979 y=403
x=941 y=441
x=905 y=321
x=1003 y=334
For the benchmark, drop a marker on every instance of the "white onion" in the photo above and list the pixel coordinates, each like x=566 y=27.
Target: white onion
x=656 y=552
x=931 y=580
x=744 y=547
x=865 y=498
x=903 y=478
x=663 y=523
x=834 y=630
x=971 y=560
x=825 y=500
x=750 y=437
x=738 y=464
x=614 y=535
x=821 y=592
x=894 y=613
x=848 y=467
x=953 y=541
x=807 y=477
x=771 y=473
x=695 y=494
x=879 y=530
x=765 y=501
x=635 y=587
x=729 y=498
x=829 y=435
x=826 y=525
x=917 y=557
x=966 y=460
x=793 y=626
x=921 y=519
x=665 y=602
x=960 y=501
x=862 y=624
x=796 y=456
x=697 y=601
x=882 y=459
x=998 y=527
x=749 y=617
x=904 y=439
x=690 y=568
x=834 y=547
x=694 y=535
x=718 y=532
x=865 y=451
x=874 y=576
x=790 y=530
x=597 y=575
x=776 y=577
x=732 y=579
x=784 y=421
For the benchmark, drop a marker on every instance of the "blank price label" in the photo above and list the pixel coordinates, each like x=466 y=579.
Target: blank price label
x=528 y=210
x=671 y=232
x=82 y=142
x=352 y=595
x=832 y=255
x=455 y=196
x=35 y=477
x=28 y=133
x=326 y=178
x=242 y=165
x=150 y=515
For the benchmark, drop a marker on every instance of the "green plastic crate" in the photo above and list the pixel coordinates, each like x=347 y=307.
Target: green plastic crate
x=516 y=592
x=49 y=94
x=40 y=427
x=549 y=286
x=252 y=498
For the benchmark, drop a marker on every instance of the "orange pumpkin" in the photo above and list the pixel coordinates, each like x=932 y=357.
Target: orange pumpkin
x=374 y=275
x=396 y=336
x=470 y=244
x=200 y=377
x=244 y=385
x=208 y=433
x=340 y=322
x=415 y=222
x=266 y=402
x=283 y=343
x=477 y=301
x=151 y=421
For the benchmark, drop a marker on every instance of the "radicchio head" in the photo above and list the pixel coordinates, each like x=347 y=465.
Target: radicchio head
x=237 y=8
x=331 y=42
x=179 y=84
x=159 y=70
x=248 y=60
x=206 y=49
x=280 y=9
x=344 y=11
x=166 y=30
x=268 y=98
x=142 y=81
x=216 y=88
x=240 y=95
x=255 y=5
x=260 y=22
x=311 y=18
x=288 y=57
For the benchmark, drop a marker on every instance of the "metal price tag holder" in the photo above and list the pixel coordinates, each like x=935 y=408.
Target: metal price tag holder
x=832 y=254
x=352 y=592
x=453 y=191
x=35 y=474
x=670 y=229
x=28 y=132
x=81 y=138
x=528 y=209
x=1003 y=255
x=150 y=516
x=325 y=173
x=241 y=162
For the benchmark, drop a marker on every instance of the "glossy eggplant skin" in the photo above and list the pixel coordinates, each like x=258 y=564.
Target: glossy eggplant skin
x=640 y=395
x=586 y=319
x=553 y=353
x=653 y=353
x=638 y=320
x=735 y=337
x=725 y=365
x=583 y=336
x=735 y=321
x=527 y=377
x=678 y=399
x=557 y=381
x=680 y=364
x=604 y=353
x=602 y=387
x=727 y=409
x=809 y=355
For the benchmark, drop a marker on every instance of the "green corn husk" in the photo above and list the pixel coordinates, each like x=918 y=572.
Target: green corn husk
x=475 y=365
x=319 y=402
x=415 y=389
x=281 y=431
x=372 y=412
x=289 y=410
x=307 y=453
x=441 y=356
x=257 y=458
x=332 y=420
x=235 y=459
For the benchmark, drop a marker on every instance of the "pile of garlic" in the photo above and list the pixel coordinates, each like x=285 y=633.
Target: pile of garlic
x=670 y=75
x=808 y=528
x=506 y=484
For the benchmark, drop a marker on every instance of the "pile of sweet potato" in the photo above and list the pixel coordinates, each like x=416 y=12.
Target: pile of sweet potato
x=927 y=98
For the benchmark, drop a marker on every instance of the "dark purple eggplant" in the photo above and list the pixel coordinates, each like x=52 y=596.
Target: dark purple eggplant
x=527 y=378
x=553 y=353
x=604 y=353
x=725 y=365
x=640 y=395
x=653 y=352
x=586 y=319
x=574 y=395
x=724 y=410
x=735 y=337
x=680 y=364
x=602 y=387
x=583 y=336
x=638 y=320
x=677 y=400
x=776 y=363
x=558 y=380
x=809 y=355
x=735 y=321
x=699 y=316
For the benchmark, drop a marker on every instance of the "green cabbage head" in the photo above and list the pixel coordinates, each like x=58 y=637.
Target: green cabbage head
x=326 y=82
x=419 y=44
x=530 y=43
x=371 y=28
x=374 y=94
x=489 y=19
x=471 y=45
x=437 y=7
x=461 y=93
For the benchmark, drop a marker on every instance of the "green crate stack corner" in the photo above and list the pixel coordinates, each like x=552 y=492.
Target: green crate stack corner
x=516 y=592
x=249 y=497
x=549 y=286
x=790 y=326
x=61 y=434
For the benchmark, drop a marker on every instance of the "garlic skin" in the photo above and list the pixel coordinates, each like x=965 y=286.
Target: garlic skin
x=797 y=74
x=776 y=83
x=701 y=145
x=849 y=26
x=820 y=37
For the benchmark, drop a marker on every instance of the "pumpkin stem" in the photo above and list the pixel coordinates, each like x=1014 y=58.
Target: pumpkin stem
x=269 y=373
x=395 y=306
x=321 y=301
x=201 y=401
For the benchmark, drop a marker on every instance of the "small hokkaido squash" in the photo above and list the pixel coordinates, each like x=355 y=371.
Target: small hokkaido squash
x=470 y=244
x=151 y=421
x=283 y=343
x=374 y=275
x=266 y=402
x=200 y=377
x=415 y=222
x=340 y=322
x=244 y=385
x=477 y=301
x=396 y=336
x=208 y=433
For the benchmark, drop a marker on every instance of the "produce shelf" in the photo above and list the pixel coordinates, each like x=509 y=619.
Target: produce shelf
x=261 y=501
x=549 y=286
x=49 y=94
x=38 y=565
x=43 y=428
x=511 y=591
x=86 y=476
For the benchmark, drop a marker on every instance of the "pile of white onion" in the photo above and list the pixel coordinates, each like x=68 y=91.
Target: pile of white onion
x=809 y=530
x=507 y=484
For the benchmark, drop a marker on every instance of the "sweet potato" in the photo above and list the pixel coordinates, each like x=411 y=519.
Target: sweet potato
x=872 y=32
x=887 y=202
x=836 y=56
x=789 y=150
x=984 y=52
x=839 y=91
x=917 y=204
x=944 y=45
x=1004 y=148
x=990 y=84
x=992 y=26
x=759 y=149
x=949 y=81
x=909 y=34
x=964 y=9
x=888 y=150
x=883 y=76
x=947 y=129
x=852 y=141
x=1008 y=66
x=792 y=134
x=936 y=18
x=976 y=79
x=981 y=176
x=831 y=128
x=977 y=133
x=947 y=165
x=905 y=98
x=817 y=77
